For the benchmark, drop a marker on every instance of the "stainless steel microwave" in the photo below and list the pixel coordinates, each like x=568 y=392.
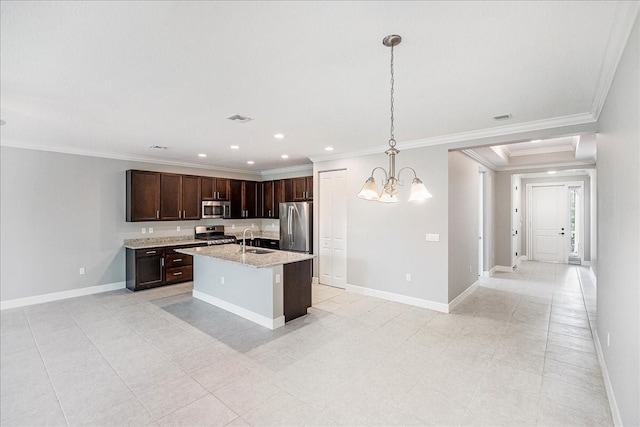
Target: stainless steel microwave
x=216 y=209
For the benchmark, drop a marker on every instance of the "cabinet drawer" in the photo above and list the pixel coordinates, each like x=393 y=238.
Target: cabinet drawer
x=149 y=252
x=179 y=274
x=178 y=260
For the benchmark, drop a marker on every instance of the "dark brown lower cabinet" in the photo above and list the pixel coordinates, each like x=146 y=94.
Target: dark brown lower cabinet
x=297 y=289
x=152 y=267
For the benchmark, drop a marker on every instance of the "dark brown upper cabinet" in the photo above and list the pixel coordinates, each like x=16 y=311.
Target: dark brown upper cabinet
x=143 y=195
x=273 y=195
x=299 y=189
x=244 y=199
x=179 y=197
x=215 y=188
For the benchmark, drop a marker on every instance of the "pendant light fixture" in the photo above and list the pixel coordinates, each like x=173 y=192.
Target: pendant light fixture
x=389 y=194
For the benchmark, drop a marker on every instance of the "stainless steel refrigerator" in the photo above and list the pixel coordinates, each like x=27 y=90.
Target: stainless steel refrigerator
x=296 y=227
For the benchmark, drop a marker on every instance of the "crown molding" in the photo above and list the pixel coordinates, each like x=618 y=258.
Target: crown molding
x=545 y=166
x=542 y=150
x=475 y=156
x=618 y=38
x=112 y=156
x=498 y=131
x=300 y=168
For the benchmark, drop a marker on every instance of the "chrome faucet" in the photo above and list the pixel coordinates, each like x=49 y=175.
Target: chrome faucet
x=244 y=239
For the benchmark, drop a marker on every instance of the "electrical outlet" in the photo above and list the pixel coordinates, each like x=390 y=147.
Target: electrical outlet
x=178 y=228
x=432 y=237
x=408 y=277
x=253 y=225
x=81 y=270
x=143 y=231
x=233 y=226
x=277 y=278
x=150 y=230
x=222 y=280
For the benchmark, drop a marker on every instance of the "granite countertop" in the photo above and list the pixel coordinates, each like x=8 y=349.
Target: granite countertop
x=159 y=242
x=233 y=253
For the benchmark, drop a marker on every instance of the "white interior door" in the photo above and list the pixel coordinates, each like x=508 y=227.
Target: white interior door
x=549 y=223
x=333 y=228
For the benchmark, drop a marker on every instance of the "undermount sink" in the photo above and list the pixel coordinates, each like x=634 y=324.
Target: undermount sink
x=258 y=251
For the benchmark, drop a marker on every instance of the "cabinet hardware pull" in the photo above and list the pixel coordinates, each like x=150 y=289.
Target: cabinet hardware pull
x=162 y=263
x=177 y=260
x=184 y=214
x=151 y=252
x=178 y=273
x=157 y=214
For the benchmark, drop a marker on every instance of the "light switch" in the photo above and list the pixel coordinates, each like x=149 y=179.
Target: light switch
x=143 y=231
x=433 y=237
x=150 y=230
x=277 y=278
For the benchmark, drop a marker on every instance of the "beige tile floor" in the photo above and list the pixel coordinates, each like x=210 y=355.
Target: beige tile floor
x=517 y=351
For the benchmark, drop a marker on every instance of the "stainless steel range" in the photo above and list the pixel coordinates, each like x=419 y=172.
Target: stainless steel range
x=213 y=234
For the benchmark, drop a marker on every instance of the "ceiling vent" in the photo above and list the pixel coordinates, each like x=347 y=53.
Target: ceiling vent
x=158 y=147
x=502 y=117
x=239 y=119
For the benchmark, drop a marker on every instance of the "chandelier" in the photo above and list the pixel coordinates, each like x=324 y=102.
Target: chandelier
x=389 y=194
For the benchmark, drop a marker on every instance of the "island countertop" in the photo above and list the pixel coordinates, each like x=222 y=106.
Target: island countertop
x=233 y=253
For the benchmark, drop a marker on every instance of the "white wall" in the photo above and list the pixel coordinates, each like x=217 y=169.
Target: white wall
x=464 y=217
x=388 y=241
x=60 y=212
x=488 y=217
x=618 y=169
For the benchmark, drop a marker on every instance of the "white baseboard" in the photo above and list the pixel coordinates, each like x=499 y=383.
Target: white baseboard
x=457 y=300
x=240 y=311
x=490 y=272
x=503 y=269
x=418 y=302
x=613 y=405
x=56 y=296
x=586 y=263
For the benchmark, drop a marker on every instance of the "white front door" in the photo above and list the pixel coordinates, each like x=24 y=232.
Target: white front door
x=549 y=223
x=333 y=228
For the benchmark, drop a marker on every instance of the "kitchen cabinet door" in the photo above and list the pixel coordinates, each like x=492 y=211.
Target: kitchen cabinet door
x=170 y=196
x=222 y=189
x=299 y=189
x=215 y=188
x=268 y=199
x=143 y=196
x=309 y=187
x=250 y=200
x=235 y=198
x=190 y=200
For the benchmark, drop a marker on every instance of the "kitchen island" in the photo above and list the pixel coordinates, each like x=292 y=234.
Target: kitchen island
x=268 y=287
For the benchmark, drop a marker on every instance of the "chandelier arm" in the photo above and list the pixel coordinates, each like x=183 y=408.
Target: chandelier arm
x=415 y=175
x=383 y=170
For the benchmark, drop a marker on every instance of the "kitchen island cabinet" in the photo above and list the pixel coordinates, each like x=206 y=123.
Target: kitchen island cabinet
x=149 y=267
x=267 y=288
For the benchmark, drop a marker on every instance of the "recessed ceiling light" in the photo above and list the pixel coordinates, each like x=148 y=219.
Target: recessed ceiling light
x=285 y=156
x=250 y=162
x=328 y=148
x=202 y=155
x=278 y=136
x=235 y=147
x=551 y=172
x=536 y=140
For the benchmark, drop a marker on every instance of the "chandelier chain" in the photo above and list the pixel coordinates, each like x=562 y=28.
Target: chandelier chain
x=392 y=141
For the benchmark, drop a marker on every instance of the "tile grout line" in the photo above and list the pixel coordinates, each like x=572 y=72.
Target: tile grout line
x=53 y=387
